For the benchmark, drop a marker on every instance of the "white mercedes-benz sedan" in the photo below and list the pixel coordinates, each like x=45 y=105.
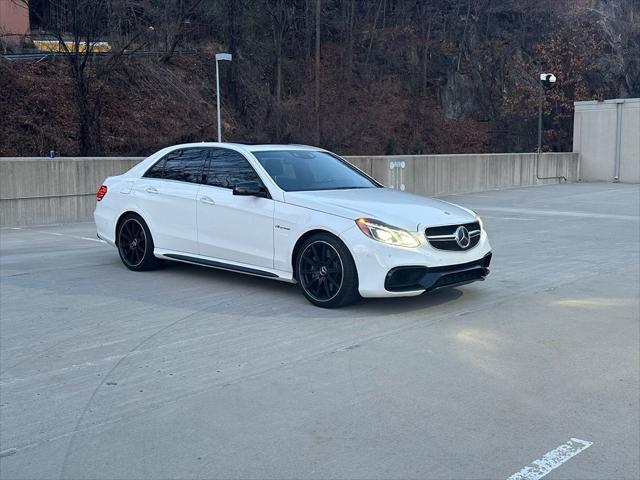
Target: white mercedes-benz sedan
x=288 y=212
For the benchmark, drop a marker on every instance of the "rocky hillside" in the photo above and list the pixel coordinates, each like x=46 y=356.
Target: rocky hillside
x=395 y=76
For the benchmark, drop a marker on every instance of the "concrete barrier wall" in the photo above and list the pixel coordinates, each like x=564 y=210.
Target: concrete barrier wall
x=444 y=174
x=38 y=191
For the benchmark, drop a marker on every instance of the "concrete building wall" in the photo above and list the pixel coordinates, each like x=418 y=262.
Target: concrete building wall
x=38 y=191
x=630 y=147
x=14 y=21
x=595 y=127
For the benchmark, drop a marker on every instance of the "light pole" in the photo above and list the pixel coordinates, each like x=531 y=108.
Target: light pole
x=547 y=82
x=227 y=57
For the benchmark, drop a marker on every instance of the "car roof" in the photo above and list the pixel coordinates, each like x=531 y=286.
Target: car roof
x=248 y=147
x=139 y=169
x=268 y=147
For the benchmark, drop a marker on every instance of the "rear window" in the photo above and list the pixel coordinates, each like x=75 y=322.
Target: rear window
x=183 y=165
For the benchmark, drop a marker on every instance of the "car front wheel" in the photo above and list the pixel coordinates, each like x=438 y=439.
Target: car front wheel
x=326 y=272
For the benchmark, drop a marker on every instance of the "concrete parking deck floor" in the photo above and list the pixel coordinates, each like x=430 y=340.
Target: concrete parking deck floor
x=189 y=372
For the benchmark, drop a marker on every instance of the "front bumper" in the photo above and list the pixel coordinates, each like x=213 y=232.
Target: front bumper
x=432 y=268
x=407 y=279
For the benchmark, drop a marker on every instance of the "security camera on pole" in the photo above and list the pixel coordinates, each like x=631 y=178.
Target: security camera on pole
x=227 y=57
x=547 y=82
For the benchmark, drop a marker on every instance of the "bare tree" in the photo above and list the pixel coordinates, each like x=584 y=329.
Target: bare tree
x=317 y=103
x=173 y=17
x=349 y=15
x=425 y=15
x=233 y=15
x=282 y=14
x=77 y=26
x=373 y=31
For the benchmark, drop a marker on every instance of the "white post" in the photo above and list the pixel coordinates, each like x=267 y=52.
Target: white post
x=227 y=57
x=218 y=101
x=616 y=165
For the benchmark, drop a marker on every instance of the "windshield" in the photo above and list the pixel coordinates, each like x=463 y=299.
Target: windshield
x=301 y=170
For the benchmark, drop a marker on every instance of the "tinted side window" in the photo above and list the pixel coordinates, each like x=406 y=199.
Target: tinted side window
x=173 y=166
x=193 y=163
x=184 y=165
x=228 y=168
x=157 y=170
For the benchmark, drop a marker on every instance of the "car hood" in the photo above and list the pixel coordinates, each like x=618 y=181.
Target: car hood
x=400 y=209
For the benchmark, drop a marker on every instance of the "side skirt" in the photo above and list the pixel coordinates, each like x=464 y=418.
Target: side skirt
x=222 y=265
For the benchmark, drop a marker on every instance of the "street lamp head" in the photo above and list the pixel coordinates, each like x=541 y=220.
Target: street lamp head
x=548 y=80
x=223 y=56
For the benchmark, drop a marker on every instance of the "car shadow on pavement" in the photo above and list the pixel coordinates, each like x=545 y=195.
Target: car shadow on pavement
x=394 y=305
x=182 y=285
x=291 y=294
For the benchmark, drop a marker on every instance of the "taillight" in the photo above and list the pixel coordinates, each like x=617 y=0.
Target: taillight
x=102 y=191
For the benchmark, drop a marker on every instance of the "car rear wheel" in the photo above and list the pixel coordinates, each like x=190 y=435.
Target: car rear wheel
x=326 y=272
x=135 y=244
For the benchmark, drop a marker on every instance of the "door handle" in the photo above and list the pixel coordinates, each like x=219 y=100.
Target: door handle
x=207 y=200
x=151 y=190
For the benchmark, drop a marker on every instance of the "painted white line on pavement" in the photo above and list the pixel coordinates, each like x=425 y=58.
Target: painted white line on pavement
x=57 y=234
x=72 y=236
x=558 y=213
x=92 y=239
x=551 y=460
x=522 y=219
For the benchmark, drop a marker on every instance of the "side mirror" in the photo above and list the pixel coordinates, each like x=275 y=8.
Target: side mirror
x=250 y=189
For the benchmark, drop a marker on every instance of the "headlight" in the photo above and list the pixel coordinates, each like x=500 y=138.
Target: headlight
x=479 y=220
x=386 y=233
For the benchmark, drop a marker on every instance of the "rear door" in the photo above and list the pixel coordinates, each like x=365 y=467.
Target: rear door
x=166 y=196
x=232 y=227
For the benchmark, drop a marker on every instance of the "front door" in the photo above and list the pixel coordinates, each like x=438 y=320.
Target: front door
x=232 y=227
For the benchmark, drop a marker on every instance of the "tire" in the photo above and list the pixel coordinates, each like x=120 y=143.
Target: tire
x=135 y=244
x=326 y=272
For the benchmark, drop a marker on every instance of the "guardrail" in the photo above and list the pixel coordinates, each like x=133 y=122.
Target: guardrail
x=38 y=191
x=44 y=54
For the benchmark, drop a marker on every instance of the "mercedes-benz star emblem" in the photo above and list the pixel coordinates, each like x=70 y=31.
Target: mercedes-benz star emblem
x=462 y=237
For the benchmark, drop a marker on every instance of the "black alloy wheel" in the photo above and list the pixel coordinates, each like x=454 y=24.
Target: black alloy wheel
x=321 y=271
x=132 y=241
x=326 y=272
x=135 y=244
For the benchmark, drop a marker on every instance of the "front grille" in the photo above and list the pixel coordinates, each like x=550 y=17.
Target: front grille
x=443 y=237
